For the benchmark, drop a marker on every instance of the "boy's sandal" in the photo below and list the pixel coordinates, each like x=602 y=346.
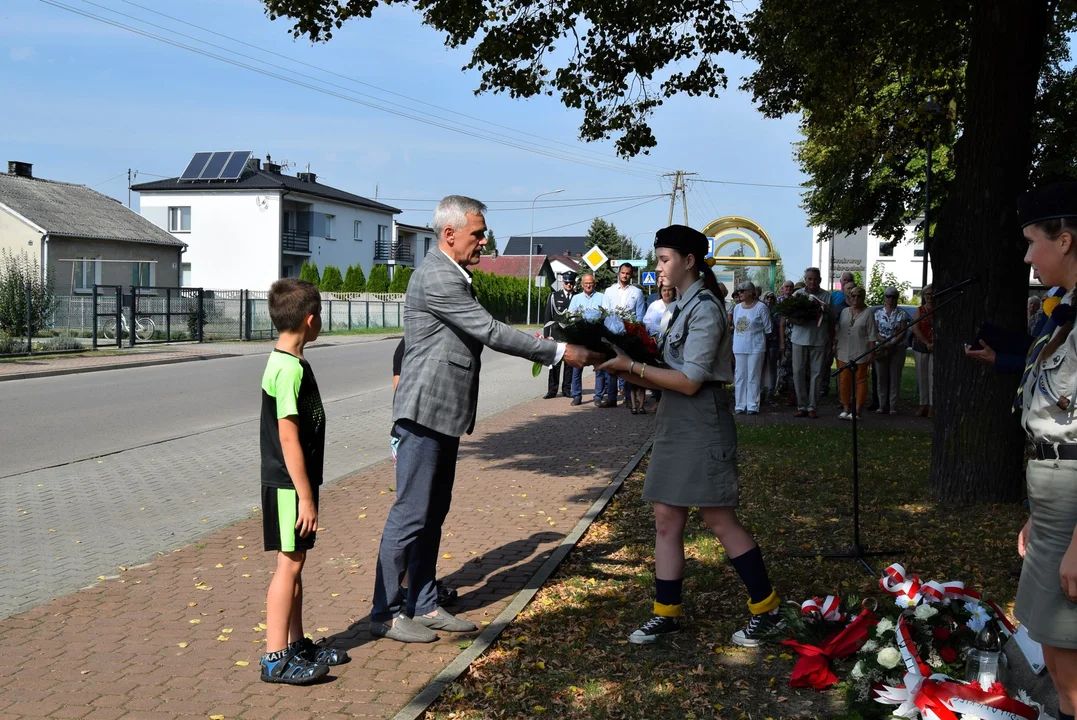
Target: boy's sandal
x=322 y=654
x=294 y=670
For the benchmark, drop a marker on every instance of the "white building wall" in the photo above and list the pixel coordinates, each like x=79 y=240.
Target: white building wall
x=17 y=237
x=343 y=249
x=859 y=251
x=234 y=242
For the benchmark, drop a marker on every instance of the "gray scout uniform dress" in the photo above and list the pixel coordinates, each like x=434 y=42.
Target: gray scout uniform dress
x=1042 y=607
x=694 y=460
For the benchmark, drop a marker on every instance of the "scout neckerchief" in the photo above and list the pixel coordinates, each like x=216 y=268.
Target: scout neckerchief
x=1062 y=316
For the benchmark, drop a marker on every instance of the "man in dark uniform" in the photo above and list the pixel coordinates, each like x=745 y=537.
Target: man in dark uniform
x=556 y=310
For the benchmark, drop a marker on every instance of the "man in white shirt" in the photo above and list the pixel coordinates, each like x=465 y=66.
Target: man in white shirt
x=621 y=296
x=809 y=348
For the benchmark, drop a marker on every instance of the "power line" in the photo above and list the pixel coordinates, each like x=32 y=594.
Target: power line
x=463 y=129
x=572 y=146
x=118 y=175
x=517 y=200
x=748 y=184
x=525 y=208
x=589 y=219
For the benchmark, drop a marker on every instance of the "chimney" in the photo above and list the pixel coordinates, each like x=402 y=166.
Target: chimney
x=22 y=169
x=307 y=177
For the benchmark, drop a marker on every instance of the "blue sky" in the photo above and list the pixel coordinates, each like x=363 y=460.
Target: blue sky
x=85 y=101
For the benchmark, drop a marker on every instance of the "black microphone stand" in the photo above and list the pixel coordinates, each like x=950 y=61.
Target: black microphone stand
x=857 y=551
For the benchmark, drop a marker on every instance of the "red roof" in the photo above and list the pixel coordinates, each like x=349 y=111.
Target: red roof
x=510 y=265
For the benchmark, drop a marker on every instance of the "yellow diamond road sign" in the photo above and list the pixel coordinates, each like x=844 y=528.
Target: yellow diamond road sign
x=595 y=257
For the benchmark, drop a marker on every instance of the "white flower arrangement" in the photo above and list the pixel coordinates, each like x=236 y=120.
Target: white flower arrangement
x=870 y=646
x=885 y=625
x=857 y=671
x=925 y=612
x=980 y=616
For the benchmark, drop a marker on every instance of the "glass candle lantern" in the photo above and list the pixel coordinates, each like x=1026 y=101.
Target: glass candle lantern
x=986 y=661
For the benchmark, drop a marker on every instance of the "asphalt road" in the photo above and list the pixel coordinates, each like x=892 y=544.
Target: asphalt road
x=105 y=469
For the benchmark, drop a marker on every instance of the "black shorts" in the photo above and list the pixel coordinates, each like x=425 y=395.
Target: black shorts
x=280 y=511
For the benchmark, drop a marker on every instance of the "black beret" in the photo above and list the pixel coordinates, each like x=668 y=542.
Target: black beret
x=683 y=239
x=1049 y=202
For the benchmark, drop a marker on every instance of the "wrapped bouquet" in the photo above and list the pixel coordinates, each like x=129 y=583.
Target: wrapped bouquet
x=804 y=309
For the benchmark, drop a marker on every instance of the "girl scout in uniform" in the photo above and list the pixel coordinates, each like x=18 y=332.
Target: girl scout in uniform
x=694 y=460
x=1047 y=595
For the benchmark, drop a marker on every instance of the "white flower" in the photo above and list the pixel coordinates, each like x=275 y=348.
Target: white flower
x=885 y=625
x=979 y=618
x=904 y=601
x=924 y=612
x=888 y=657
x=857 y=672
x=870 y=646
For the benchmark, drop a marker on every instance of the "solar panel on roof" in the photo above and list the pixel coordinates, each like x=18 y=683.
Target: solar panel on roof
x=233 y=169
x=195 y=167
x=214 y=166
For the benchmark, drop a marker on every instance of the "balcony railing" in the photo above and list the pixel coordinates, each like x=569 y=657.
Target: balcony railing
x=384 y=250
x=295 y=241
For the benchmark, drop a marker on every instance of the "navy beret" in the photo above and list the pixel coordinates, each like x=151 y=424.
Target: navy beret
x=683 y=239
x=1048 y=202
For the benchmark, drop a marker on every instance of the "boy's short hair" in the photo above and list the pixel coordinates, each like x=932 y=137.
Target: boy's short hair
x=291 y=301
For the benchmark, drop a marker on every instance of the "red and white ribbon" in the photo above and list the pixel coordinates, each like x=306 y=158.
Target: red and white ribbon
x=829 y=608
x=939 y=697
x=910 y=591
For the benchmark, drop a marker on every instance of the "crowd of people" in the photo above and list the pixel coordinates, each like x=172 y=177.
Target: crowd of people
x=706 y=345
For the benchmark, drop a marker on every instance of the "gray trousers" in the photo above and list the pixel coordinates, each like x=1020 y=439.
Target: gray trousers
x=808 y=374
x=425 y=472
x=888 y=371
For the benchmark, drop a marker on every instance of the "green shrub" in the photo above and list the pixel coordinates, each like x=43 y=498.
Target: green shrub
x=16 y=272
x=506 y=297
x=9 y=345
x=331 y=280
x=379 y=279
x=309 y=272
x=62 y=342
x=400 y=280
x=354 y=279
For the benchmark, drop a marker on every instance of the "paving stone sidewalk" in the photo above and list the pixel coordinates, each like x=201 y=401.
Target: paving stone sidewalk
x=181 y=636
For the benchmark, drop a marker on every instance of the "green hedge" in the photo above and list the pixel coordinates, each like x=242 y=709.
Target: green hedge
x=506 y=297
x=400 y=280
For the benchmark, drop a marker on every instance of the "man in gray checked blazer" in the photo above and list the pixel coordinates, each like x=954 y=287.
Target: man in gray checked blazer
x=445 y=330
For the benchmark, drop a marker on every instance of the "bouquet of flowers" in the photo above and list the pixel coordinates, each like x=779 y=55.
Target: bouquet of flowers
x=804 y=309
x=586 y=327
x=905 y=656
x=631 y=337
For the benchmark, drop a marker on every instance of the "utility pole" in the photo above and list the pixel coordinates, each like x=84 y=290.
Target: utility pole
x=679 y=185
x=128 y=188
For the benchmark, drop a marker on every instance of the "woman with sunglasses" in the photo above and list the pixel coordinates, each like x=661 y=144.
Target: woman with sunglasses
x=893 y=323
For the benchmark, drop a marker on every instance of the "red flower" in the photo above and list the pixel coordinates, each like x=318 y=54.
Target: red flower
x=942 y=633
x=997 y=688
x=948 y=654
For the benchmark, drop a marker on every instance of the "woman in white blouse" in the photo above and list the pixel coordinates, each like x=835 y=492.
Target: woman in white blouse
x=657 y=317
x=751 y=325
x=856 y=334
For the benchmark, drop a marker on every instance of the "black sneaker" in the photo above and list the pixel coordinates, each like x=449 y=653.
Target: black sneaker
x=320 y=654
x=760 y=629
x=291 y=669
x=446 y=595
x=654 y=629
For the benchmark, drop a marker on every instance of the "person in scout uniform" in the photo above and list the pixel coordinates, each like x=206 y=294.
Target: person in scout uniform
x=1047 y=594
x=556 y=310
x=694 y=460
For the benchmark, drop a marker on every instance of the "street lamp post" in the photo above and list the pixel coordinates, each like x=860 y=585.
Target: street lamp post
x=531 y=250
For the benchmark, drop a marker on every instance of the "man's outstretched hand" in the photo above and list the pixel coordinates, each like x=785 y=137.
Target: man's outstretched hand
x=578 y=356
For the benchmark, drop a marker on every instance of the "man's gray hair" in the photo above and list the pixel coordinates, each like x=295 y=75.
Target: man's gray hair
x=814 y=270
x=847 y=276
x=452 y=212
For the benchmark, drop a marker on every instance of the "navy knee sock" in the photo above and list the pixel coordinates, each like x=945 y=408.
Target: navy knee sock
x=1064 y=716
x=668 y=592
x=753 y=573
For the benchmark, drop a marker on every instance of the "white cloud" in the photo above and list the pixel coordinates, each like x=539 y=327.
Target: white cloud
x=19 y=54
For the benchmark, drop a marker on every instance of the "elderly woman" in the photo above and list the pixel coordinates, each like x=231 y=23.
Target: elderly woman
x=751 y=325
x=923 y=347
x=856 y=334
x=657 y=317
x=785 y=291
x=893 y=323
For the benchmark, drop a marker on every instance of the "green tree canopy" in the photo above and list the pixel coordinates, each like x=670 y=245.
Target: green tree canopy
x=354 y=280
x=309 y=272
x=490 y=248
x=400 y=280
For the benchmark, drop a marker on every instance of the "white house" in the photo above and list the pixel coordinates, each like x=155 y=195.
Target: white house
x=246 y=223
x=411 y=243
x=859 y=251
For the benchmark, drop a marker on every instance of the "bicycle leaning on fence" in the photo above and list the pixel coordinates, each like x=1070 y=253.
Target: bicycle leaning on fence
x=144 y=327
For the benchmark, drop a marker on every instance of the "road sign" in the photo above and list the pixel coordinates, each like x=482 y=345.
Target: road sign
x=595 y=258
x=634 y=263
x=649 y=278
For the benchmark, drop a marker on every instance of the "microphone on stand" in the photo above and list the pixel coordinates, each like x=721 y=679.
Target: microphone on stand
x=971 y=280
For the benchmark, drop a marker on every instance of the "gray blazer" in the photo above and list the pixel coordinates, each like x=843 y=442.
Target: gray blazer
x=445 y=329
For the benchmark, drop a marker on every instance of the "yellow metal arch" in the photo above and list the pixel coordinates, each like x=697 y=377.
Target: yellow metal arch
x=735 y=229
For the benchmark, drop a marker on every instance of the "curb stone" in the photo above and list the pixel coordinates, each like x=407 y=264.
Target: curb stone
x=429 y=694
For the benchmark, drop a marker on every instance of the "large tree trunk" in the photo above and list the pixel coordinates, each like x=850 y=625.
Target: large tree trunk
x=977 y=446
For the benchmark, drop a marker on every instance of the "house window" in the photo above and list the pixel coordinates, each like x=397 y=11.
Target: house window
x=87 y=274
x=358 y=229
x=143 y=274
x=329 y=226
x=185 y=275
x=918 y=252
x=383 y=233
x=179 y=219
x=886 y=249
x=426 y=247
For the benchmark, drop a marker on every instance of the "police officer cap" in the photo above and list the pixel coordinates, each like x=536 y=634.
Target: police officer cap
x=683 y=239
x=1049 y=202
x=568 y=276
